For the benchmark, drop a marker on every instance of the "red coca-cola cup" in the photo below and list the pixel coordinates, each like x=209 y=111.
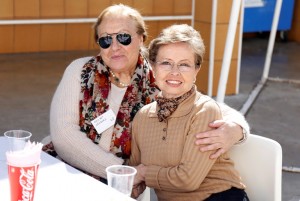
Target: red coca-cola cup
x=22 y=182
x=22 y=171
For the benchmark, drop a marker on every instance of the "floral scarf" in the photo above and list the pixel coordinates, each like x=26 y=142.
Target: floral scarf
x=95 y=87
x=168 y=105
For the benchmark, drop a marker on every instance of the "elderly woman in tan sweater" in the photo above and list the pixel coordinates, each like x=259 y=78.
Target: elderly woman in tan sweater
x=163 y=140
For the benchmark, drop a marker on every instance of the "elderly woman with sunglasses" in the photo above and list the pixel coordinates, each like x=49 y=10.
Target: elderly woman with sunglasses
x=163 y=149
x=95 y=102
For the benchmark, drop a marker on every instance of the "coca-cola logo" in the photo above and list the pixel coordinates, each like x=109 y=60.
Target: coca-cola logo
x=26 y=180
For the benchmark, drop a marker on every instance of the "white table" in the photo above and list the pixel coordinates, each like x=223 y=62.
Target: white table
x=58 y=181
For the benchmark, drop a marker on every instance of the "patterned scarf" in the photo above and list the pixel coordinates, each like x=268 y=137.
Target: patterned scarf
x=168 y=105
x=95 y=87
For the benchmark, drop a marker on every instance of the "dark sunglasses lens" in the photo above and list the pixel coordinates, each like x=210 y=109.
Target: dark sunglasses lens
x=105 y=42
x=124 y=38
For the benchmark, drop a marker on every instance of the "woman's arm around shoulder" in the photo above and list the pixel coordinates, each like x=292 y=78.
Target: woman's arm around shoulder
x=233 y=129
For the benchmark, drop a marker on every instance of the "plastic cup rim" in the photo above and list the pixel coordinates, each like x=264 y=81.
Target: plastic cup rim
x=20 y=138
x=123 y=174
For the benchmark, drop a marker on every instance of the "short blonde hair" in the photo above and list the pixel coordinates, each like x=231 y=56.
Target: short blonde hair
x=179 y=33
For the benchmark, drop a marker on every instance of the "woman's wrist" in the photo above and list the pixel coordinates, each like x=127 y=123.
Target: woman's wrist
x=244 y=137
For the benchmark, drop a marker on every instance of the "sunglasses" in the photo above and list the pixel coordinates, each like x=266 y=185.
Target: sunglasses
x=122 y=38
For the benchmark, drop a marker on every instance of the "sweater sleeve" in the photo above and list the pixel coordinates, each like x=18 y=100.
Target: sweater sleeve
x=135 y=157
x=70 y=143
x=194 y=165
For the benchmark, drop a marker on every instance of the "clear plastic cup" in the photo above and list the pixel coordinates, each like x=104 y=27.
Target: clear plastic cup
x=121 y=177
x=17 y=139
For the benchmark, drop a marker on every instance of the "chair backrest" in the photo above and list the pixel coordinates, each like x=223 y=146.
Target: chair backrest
x=259 y=162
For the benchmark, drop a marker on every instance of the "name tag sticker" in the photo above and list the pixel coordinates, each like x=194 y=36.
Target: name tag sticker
x=104 y=121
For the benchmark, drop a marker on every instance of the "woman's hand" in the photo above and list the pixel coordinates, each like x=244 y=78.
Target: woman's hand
x=140 y=174
x=221 y=139
x=139 y=184
x=138 y=189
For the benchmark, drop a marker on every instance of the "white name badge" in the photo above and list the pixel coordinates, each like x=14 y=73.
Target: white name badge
x=104 y=121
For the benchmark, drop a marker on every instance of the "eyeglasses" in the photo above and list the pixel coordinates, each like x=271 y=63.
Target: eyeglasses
x=122 y=38
x=167 y=65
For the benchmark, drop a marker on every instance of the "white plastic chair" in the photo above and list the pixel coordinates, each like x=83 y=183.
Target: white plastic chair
x=259 y=162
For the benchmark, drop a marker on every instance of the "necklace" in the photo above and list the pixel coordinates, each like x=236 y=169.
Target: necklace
x=117 y=80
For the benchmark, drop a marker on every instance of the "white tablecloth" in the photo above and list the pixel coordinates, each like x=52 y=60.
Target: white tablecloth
x=58 y=181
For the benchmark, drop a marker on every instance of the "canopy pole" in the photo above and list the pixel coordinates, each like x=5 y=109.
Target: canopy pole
x=236 y=5
x=212 y=47
x=271 y=40
x=256 y=91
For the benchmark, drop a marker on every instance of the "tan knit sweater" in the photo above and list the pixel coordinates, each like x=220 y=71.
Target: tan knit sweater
x=176 y=169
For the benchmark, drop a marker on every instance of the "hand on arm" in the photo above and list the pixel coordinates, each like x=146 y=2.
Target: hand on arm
x=221 y=139
x=226 y=133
